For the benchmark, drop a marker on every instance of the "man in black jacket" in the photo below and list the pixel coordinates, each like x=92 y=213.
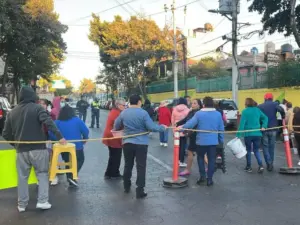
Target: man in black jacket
x=82 y=107
x=25 y=123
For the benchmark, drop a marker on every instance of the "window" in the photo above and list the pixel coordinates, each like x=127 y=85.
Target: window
x=227 y=105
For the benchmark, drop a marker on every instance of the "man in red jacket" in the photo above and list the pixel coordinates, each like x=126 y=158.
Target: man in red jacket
x=164 y=118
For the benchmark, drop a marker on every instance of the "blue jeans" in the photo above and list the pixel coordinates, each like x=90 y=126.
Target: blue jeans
x=269 y=140
x=210 y=150
x=163 y=136
x=253 y=143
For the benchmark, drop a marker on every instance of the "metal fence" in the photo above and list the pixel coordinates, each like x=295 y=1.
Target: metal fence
x=216 y=84
x=169 y=86
x=280 y=78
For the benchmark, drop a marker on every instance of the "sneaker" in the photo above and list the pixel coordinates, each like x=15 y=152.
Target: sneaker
x=299 y=163
x=248 y=169
x=201 y=180
x=161 y=144
x=43 y=206
x=54 y=182
x=21 y=209
x=73 y=182
x=260 y=169
x=165 y=145
x=270 y=167
x=182 y=165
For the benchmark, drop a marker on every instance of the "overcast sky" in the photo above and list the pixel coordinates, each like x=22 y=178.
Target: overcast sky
x=83 y=61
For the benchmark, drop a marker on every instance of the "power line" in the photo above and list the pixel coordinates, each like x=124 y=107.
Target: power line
x=218 y=24
x=105 y=10
x=178 y=7
x=153 y=14
x=279 y=40
x=123 y=7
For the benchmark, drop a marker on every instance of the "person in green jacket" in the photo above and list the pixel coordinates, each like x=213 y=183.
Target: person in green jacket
x=252 y=119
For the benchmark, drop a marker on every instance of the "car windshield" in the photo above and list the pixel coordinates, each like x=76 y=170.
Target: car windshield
x=227 y=105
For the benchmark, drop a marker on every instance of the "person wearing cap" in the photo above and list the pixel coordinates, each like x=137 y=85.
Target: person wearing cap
x=270 y=109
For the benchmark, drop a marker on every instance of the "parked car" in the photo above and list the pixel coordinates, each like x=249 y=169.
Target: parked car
x=5 y=108
x=230 y=109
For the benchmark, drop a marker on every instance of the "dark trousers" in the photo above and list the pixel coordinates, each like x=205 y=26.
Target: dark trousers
x=139 y=153
x=297 y=138
x=95 y=116
x=114 y=162
x=269 y=140
x=252 y=144
x=82 y=116
x=182 y=148
x=80 y=160
x=210 y=150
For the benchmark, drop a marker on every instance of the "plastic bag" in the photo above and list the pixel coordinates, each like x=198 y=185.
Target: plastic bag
x=237 y=148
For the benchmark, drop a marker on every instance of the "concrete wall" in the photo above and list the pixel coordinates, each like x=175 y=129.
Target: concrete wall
x=291 y=94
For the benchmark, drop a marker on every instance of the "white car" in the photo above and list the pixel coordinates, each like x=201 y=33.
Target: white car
x=230 y=110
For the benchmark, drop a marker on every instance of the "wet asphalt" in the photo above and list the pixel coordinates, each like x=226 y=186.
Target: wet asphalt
x=237 y=198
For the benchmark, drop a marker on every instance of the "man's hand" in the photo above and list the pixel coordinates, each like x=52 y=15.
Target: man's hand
x=62 y=141
x=263 y=129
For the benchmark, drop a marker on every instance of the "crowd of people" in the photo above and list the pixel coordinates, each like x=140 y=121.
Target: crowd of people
x=58 y=122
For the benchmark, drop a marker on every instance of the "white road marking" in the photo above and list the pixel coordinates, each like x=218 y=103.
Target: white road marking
x=164 y=165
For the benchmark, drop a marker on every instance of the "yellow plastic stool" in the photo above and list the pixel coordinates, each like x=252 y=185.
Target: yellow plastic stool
x=57 y=150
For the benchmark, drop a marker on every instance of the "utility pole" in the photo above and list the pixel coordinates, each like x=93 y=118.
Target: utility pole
x=185 y=72
x=175 y=65
x=184 y=48
x=235 y=83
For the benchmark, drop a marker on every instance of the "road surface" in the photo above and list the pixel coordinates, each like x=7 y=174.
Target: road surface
x=237 y=198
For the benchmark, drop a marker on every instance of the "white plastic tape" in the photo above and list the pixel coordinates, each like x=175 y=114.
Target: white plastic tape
x=176 y=142
x=286 y=138
x=285 y=131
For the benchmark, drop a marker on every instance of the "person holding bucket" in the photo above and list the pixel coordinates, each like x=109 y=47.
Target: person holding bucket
x=252 y=119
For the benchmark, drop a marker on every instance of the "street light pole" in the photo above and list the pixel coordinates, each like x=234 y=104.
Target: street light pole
x=175 y=68
x=235 y=86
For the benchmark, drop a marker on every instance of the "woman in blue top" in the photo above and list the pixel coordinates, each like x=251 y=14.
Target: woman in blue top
x=72 y=128
x=252 y=119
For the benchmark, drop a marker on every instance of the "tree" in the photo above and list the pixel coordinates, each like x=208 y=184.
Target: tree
x=286 y=74
x=129 y=50
x=282 y=16
x=30 y=45
x=47 y=85
x=87 y=86
x=207 y=68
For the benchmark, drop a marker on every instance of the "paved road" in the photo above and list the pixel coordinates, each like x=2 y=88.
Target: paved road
x=237 y=198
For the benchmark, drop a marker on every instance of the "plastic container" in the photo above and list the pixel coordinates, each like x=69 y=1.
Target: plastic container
x=237 y=148
x=117 y=133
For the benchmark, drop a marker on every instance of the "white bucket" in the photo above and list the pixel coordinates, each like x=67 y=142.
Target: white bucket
x=237 y=148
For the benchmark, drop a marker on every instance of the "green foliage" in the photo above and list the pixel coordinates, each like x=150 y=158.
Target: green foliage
x=207 y=68
x=286 y=74
x=276 y=15
x=30 y=45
